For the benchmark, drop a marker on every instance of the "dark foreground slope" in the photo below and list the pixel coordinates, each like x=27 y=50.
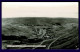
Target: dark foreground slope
x=55 y=33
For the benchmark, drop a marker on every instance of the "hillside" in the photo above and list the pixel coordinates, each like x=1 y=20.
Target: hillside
x=57 y=33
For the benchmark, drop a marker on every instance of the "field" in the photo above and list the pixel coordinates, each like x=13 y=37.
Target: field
x=55 y=33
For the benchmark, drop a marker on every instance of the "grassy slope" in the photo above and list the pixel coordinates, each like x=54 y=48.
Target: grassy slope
x=68 y=33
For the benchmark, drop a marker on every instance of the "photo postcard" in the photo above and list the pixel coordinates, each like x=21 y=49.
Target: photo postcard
x=40 y=25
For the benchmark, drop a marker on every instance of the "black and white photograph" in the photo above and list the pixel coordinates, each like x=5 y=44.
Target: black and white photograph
x=40 y=25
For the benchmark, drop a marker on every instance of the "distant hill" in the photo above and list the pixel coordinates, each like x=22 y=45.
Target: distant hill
x=19 y=25
x=39 y=21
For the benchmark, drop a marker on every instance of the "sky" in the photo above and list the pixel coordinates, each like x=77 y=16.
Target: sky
x=39 y=9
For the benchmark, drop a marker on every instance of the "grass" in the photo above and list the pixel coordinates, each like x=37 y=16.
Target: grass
x=61 y=32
